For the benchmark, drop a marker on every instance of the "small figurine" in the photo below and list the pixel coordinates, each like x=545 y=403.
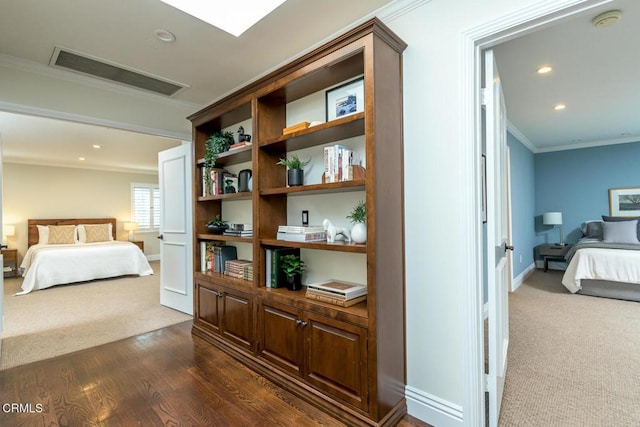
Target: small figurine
x=333 y=231
x=243 y=137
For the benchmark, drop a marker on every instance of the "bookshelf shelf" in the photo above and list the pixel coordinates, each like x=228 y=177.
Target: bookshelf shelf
x=339 y=246
x=275 y=331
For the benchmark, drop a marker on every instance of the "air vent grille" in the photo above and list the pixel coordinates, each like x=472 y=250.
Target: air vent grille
x=89 y=66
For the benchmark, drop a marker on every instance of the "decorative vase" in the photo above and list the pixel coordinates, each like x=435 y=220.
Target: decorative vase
x=217 y=229
x=295 y=177
x=359 y=233
x=294 y=283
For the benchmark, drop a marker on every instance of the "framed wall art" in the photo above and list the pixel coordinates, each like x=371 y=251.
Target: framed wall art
x=345 y=99
x=624 y=201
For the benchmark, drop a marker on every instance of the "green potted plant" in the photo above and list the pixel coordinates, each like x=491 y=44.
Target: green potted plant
x=217 y=225
x=358 y=217
x=293 y=267
x=295 y=174
x=217 y=143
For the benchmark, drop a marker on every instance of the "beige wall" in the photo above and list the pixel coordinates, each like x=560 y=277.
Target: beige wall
x=32 y=191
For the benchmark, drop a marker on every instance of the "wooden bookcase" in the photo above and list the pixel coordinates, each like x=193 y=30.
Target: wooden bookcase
x=348 y=361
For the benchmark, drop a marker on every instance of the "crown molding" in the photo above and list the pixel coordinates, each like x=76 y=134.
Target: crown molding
x=521 y=137
x=46 y=163
x=28 y=66
x=589 y=144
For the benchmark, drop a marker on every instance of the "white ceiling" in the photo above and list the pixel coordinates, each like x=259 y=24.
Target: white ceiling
x=594 y=70
x=595 y=73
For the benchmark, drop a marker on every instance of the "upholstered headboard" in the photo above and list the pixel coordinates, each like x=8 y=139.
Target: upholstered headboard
x=33 y=230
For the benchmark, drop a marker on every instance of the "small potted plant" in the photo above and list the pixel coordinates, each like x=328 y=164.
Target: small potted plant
x=295 y=174
x=293 y=267
x=217 y=225
x=358 y=217
x=217 y=143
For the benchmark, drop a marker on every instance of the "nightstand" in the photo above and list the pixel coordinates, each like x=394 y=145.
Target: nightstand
x=10 y=257
x=139 y=243
x=553 y=253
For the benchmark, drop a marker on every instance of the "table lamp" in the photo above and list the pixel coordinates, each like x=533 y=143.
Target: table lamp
x=131 y=227
x=7 y=231
x=553 y=218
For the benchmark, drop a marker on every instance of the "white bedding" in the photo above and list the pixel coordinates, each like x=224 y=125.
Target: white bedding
x=602 y=264
x=49 y=265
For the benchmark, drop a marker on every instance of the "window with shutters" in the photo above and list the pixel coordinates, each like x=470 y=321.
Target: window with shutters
x=145 y=206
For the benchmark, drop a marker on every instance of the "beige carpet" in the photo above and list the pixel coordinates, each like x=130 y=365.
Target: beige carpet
x=573 y=360
x=64 y=319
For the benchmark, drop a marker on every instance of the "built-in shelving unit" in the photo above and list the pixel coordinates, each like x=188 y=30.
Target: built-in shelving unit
x=349 y=361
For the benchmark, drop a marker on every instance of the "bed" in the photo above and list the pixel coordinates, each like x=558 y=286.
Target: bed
x=64 y=251
x=606 y=261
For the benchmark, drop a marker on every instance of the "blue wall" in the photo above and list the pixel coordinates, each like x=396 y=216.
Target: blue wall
x=522 y=204
x=577 y=183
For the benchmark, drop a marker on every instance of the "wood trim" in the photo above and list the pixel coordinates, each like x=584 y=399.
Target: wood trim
x=33 y=230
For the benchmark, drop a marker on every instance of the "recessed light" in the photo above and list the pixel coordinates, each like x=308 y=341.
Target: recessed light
x=559 y=107
x=97 y=146
x=165 y=36
x=545 y=69
x=82 y=159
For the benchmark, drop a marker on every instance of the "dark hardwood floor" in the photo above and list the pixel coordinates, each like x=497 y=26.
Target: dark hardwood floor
x=161 y=378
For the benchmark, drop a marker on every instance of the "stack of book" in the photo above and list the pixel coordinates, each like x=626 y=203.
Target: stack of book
x=338 y=163
x=239 y=145
x=335 y=292
x=239 y=230
x=300 y=233
x=239 y=268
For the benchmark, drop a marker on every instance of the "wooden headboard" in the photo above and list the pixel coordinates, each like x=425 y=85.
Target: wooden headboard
x=33 y=230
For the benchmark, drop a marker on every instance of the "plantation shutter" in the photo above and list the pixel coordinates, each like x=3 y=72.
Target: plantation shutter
x=145 y=206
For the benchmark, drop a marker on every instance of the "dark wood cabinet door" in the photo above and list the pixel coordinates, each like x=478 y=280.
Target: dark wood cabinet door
x=336 y=356
x=237 y=318
x=280 y=336
x=207 y=307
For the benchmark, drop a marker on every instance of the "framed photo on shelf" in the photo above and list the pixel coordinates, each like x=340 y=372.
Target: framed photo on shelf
x=345 y=99
x=624 y=201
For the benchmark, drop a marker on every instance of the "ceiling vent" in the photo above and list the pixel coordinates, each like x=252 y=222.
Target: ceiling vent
x=94 y=67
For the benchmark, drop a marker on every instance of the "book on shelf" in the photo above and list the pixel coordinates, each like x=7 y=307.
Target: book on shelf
x=213 y=181
x=338 y=163
x=238 y=233
x=300 y=229
x=239 y=268
x=278 y=277
x=239 y=145
x=302 y=237
x=221 y=254
x=333 y=300
x=268 y=253
x=338 y=289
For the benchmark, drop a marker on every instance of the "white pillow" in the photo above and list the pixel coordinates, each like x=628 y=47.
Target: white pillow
x=43 y=234
x=620 y=232
x=82 y=233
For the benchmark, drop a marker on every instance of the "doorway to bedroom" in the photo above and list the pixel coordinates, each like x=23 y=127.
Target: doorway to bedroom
x=533 y=192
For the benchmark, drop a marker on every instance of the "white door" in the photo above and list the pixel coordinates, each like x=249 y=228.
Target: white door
x=1 y=258
x=497 y=229
x=176 y=237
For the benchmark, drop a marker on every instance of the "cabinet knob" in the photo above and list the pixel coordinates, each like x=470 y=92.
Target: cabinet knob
x=219 y=295
x=303 y=324
x=298 y=322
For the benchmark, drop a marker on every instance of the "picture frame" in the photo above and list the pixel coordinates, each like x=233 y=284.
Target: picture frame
x=624 y=202
x=484 y=189
x=344 y=100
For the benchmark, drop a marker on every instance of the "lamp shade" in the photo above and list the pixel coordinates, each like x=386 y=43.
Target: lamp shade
x=130 y=226
x=8 y=230
x=552 y=218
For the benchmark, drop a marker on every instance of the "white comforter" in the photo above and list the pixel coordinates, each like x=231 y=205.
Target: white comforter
x=49 y=265
x=602 y=264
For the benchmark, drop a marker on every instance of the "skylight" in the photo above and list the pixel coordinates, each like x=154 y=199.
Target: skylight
x=235 y=17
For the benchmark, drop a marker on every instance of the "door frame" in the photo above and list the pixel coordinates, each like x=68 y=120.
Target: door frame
x=473 y=41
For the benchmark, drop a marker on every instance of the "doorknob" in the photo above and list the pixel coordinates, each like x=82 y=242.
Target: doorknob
x=161 y=237
x=508 y=248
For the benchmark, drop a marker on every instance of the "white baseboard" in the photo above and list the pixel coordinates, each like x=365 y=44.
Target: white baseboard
x=153 y=257
x=432 y=409
x=520 y=278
